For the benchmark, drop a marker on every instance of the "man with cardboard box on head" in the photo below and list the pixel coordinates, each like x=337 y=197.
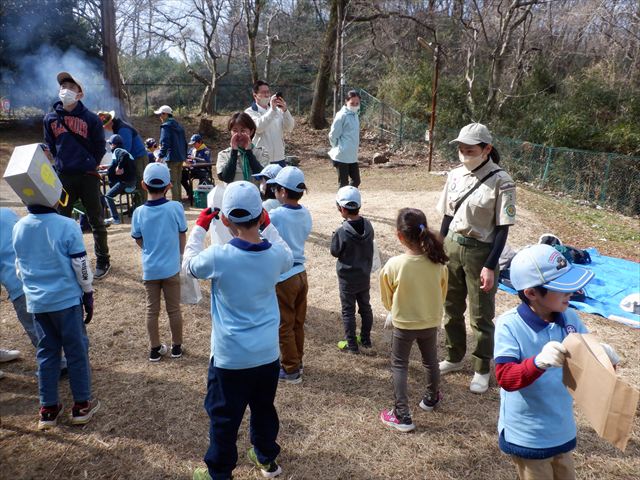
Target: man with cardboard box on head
x=76 y=140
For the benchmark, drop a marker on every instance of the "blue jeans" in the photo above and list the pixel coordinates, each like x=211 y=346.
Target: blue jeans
x=29 y=324
x=228 y=394
x=65 y=330
x=116 y=189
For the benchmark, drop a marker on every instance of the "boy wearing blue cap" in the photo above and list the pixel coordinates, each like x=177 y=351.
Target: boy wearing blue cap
x=244 y=340
x=121 y=175
x=293 y=221
x=159 y=227
x=352 y=245
x=269 y=200
x=536 y=425
x=199 y=153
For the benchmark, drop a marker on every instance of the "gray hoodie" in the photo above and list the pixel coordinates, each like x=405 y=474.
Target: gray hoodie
x=354 y=252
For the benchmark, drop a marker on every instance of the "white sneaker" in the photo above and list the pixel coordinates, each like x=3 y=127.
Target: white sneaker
x=8 y=355
x=480 y=383
x=446 y=366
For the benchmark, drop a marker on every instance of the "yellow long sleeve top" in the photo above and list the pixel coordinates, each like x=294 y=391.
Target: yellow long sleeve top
x=414 y=288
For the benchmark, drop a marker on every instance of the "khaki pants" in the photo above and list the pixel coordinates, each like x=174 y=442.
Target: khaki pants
x=175 y=169
x=292 y=300
x=559 y=467
x=171 y=289
x=465 y=265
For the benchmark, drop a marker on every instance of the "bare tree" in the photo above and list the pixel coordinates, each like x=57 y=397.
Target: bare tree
x=252 y=11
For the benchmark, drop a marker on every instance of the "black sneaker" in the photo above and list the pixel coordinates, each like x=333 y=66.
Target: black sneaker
x=156 y=353
x=270 y=470
x=49 y=417
x=82 y=413
x=101 y=271
x=176 y=351
x=366 y=343
x=429 y=403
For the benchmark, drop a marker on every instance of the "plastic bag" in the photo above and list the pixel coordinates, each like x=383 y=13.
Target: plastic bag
x=376 y=263
x=189 y=289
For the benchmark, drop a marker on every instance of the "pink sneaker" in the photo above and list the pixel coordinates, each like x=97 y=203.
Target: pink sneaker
x=404 y=424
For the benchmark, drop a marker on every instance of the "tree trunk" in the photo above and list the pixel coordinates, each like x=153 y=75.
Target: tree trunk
x=317 y=118
x=208 y=100
x=252 y=12
x=110 y=57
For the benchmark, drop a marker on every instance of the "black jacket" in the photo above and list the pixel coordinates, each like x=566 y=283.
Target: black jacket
x=354 y=252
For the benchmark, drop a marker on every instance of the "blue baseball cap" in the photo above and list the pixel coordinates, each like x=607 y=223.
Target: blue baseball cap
x=241 y=195
x=290 y=178
x=349 y=197
x=156 y=175
x=196 y=137
x=543 y=266
x=268 y=172
x=115 y=139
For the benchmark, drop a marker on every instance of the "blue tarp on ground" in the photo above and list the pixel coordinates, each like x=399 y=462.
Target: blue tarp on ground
x=614 y=280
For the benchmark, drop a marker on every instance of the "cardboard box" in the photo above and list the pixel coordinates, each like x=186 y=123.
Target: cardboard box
x=31 y=176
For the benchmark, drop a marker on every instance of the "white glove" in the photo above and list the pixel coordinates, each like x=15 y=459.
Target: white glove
x=611 y=353
x=388 y=323
x=552 y=355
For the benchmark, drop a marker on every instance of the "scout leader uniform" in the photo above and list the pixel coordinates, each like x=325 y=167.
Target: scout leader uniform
x=478 y=201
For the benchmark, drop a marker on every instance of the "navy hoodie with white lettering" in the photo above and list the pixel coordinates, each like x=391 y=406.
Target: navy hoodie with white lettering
x=80 y=151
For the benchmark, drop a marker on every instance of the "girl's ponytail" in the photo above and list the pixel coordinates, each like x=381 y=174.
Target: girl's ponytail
x=412 y=223
x=432 y=246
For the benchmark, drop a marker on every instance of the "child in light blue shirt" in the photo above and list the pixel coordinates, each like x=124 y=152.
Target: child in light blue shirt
x=244 y=340
x=159 y=227
x=293 y=221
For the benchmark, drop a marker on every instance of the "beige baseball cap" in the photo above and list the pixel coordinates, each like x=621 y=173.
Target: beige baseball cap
x=164 y=109
x=473 y=134
x=67 y=77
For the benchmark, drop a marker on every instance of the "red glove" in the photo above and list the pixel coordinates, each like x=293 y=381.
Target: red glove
x=206 y=216
x=266 y=221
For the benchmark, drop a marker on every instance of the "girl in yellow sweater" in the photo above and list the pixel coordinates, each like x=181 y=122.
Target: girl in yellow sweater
x=413 y=288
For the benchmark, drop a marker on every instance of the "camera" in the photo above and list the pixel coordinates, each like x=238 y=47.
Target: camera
x=279 y=94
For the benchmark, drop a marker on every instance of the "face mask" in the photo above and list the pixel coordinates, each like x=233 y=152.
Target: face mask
x=355 y=109
x=469 y=162
x=263 y=102
x=67 y=96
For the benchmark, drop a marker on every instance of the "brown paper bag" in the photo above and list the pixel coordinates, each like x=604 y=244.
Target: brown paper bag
x=608 y=402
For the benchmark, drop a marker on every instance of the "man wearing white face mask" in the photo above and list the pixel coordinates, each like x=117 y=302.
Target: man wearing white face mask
x=273 y=119
x=76 y=141
x=344 y=137
x=478 y=204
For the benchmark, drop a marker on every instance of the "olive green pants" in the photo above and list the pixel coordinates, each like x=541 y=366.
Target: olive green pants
x=175 y=169
x=465 y=264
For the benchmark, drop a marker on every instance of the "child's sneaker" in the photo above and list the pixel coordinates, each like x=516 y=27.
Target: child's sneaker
x=404 y=424
x=292 y=378
x=446 y=366
x=176 y=351
x=271 y=470
x=81 y=413
x=49 y=417
x=429 y=403
x=366 y=343
x=157 y=353
x=345 y=347
x=201 y=473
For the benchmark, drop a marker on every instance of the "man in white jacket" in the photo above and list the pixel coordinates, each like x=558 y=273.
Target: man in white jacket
x=272 y=119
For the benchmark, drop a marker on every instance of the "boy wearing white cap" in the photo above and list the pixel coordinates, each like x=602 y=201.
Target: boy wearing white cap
x=159 y=228
x=268 y=191
x=244 y=340
x=352 y=245
x=536 y=425
x=293 y=221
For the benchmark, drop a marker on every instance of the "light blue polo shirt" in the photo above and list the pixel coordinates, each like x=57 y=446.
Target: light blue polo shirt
x=244 y=306
x=541 y=414
x=44 y=244
x=294 y=226
x=159 y=223
x=8 y=278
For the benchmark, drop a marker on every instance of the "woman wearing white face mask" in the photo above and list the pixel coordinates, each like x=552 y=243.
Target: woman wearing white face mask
x=478 y=204
x=344 y=137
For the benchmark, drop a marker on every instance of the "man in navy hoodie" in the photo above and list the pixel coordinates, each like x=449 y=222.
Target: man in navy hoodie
x=173 y=148
x=76 y=140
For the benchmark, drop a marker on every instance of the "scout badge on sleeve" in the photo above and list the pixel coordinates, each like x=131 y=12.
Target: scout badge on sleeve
x=30 y=175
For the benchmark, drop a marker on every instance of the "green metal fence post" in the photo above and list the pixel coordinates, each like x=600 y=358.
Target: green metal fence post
x=146 y=101
x=179 y=97
x=401 y=129
x=546 y=166
x=381 y=120
x=603 y=192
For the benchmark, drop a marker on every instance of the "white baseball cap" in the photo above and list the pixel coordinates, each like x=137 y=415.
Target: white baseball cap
x=473 y=134
x=66 y=76
x=290 y=178
x=543 y=266
x=156 y=175
x=270 y=171
x=164 y=109
x=241 y=195
x=349 y=197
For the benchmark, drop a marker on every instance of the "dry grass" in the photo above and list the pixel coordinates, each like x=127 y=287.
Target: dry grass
x=152 y=424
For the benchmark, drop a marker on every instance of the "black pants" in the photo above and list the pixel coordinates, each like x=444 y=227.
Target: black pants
x=86 y=188
x=346 y=170
x=228 y=394
x=199 y=174
x=348 y=301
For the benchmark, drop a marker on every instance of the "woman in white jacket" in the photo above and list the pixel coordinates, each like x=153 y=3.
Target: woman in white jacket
x=345 y=140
